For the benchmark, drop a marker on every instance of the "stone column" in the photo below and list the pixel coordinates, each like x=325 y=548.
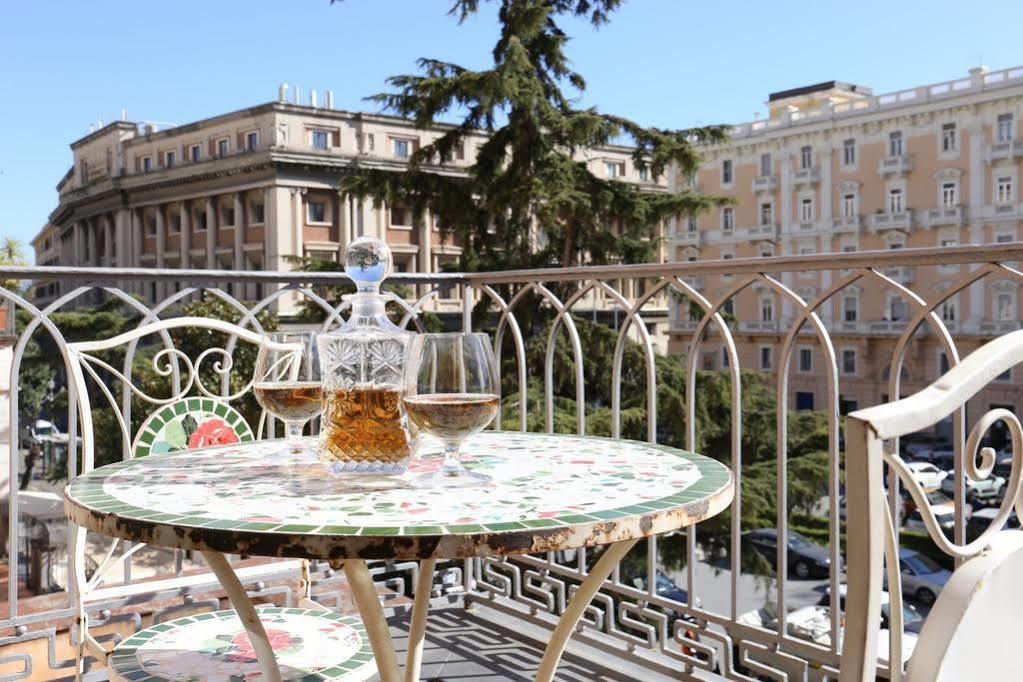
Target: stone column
x=783 y=214
x=108 y=241
x=978 y=191
x=211 y=233
x=76 y=244
x=122 y=221
x=343 y=224
x=426 y=249
x=92 y=228
x=135 y=248
x=270 y=227
x=297 y=222
x=161 y=251
x=240 y=223
x=185 y=244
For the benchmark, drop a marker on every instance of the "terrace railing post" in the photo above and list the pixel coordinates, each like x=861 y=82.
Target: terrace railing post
x=864 y=549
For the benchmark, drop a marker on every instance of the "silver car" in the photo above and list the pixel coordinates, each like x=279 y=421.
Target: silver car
x=922 y=577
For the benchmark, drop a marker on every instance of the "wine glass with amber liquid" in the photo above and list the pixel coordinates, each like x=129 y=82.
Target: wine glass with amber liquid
x=451 y=393
x=287 y=383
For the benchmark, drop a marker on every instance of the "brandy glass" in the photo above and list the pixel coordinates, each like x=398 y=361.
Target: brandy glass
x=451 y=392
x=287 y=382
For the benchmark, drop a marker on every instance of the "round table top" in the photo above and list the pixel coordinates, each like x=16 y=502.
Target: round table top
x=547 y=492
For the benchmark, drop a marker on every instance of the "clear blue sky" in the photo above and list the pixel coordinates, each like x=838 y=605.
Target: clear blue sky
x=670 y=63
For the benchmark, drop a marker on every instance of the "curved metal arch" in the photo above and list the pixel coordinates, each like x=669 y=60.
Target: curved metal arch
x=711 y=312
x=563 y=313
x=520 y=351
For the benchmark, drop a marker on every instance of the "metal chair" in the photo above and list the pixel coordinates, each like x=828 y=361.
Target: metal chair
x=310 y=642
x=972 y=632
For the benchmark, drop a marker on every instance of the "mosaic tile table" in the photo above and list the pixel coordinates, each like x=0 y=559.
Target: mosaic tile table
x=546 y=492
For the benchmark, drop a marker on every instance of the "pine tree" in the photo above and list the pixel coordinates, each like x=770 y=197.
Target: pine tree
x=529 y=200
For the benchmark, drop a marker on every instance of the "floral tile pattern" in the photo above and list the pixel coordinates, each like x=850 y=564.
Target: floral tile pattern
x=309 y=644
x=538 y=482
x=191 y=423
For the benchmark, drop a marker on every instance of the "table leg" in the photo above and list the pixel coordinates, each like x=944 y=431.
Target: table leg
x=246 y=614
x=368 y=603
x=417 y=626
x=577 y=606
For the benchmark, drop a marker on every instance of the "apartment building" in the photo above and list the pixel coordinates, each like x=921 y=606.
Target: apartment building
x=835 y=168
x=246 y=189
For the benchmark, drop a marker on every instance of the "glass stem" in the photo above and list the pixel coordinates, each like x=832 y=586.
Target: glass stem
x=294 y=435
x=452 y=465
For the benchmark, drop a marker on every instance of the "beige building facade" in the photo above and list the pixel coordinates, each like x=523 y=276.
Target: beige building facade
x=835 y=168
x=246 y=189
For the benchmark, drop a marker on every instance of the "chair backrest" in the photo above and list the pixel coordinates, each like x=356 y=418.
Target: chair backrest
x=190 y=414
x=979 y=605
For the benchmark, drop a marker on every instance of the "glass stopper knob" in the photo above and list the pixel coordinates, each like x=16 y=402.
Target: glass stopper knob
x=368 y=263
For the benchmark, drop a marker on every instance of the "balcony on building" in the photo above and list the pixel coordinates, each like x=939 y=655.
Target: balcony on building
x=901 y=274
x=806 y=176
x=881 y=222
x=947 y=215
x=847 y=224
x=687 y=238
x=1005 y=150
x=763 y=233
x=765 y=183
x=895 y=165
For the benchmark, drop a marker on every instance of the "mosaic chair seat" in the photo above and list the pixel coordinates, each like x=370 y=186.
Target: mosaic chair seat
x=311 y=643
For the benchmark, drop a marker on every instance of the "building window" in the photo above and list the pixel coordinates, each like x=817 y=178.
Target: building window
x=169 y=158
x=729 y=307
x=316 y=212
x=258 y=213
x=1005 y=238
x=724 y=356
x=223 y=147
x=806 y=157
x=766 y=214
x=949 y=197
x=949 y=140
x=644 y=174
x=147 y=164
x=849 y=152
x=201 y=221
x=402 y=148
x=850 y=307
x=896 y=309
x=195 y=152
x=726 y=172
x=614 y=169
x=806 y=210
x=251 y=140
x=399 y=216
x=83 y=172
x=1005 y=307
x=227 y=217
x=320 y=139
x=804 y=400
x=691 y=224
x=370 y=142
x=174 y=224
x=805 y=360
x=848 y=205
x=1004 y=128
x=849 y=361
x=728 y=219
x=765 y=358
x=766 y=310
x=948 y=311
x=1003 y=190
x=766 y=165
x=943 y=366
x=895 y=201
x=766 y=251
x=895 y=143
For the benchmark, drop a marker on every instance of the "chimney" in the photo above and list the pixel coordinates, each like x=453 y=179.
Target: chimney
x=282 y=92
x=312 y=98
x=298 y=99
x=124 y=114
x=329 y=99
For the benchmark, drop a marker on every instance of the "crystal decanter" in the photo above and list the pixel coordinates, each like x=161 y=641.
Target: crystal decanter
x=364 y=425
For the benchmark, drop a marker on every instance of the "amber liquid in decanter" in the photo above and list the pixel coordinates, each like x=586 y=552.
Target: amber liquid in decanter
x=364 y=424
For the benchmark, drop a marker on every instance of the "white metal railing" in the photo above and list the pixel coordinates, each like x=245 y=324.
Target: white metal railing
x=712 y=633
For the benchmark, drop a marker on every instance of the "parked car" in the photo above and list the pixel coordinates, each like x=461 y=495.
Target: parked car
x=985 y=492
x=912 y=620
x=926 y=474
x=944 y=512
x=982 y=518
x=806 y=559
x=922 y=577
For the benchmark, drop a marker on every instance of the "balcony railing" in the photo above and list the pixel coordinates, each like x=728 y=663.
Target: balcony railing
x=902 y=220
x=765 y=183
x=687 y=238
x=806 y=176
x=847 y=224
x=710 y=562
x=895 y=165
x=948 y=215
x=1009 y=149
x=768 y=233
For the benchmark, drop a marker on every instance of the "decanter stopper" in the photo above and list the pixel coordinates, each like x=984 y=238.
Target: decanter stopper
x=368 y=263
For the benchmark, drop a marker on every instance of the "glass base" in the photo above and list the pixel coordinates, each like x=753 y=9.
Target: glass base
x=367 y=467
x=450 y=478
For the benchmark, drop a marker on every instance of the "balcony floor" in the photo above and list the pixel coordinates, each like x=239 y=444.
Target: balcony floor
x=486 y=644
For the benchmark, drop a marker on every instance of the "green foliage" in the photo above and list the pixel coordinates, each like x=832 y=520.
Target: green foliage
x=542 y=205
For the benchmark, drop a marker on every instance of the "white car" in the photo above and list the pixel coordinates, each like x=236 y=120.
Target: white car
x=926 y=474
x=944 y=513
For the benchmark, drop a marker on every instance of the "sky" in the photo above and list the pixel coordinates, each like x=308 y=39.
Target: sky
x=669 y=63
